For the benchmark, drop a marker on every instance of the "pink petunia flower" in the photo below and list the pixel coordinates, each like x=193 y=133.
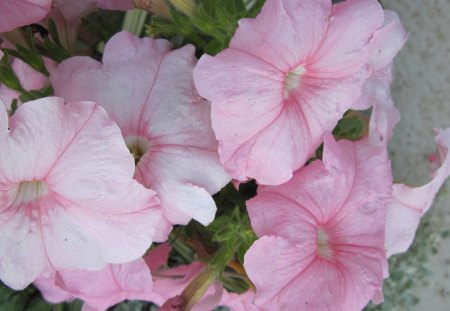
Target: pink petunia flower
x=386 y=43
x=16 y=13
x=408 y=204
x=67 y=196
x=148 y=90
x=322 y=233
x=287 y=77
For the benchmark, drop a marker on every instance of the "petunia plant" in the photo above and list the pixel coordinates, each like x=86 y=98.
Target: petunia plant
x=202 y=155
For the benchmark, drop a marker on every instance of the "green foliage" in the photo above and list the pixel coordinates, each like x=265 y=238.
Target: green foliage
x=223 y=243
x=9 y=78
x=210 y=27
x=7 y=75
x=29 y=56
x=349 y=127
x=30 y=300
x=50 y=44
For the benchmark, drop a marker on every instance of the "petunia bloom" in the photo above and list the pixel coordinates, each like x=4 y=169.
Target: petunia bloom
x=16 y=13
x=321 y=242
x=67 y=196
x=287 y=78
x=148 y=90
x=409 y=204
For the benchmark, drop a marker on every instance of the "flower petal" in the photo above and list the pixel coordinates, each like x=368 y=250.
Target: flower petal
x=409 y=204
x=16 y=13
x=296 y=31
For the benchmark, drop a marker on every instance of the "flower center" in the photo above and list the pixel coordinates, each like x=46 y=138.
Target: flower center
x=138 y=146
x=292 y=80
x=30 y=190
x=323 y=247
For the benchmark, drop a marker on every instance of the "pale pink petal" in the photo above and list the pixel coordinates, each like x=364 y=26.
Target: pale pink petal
x=296 y=31
x=16 y=13
x=22 y=250
x=385 y=116
x=385 y=45
x=173 y=128
x=388 y=41
x=100 y=289
x=239 y=302
x=408 y=204
x=402 y=222
x=345 y=47
x=333 y=179
x=172 y=282
x=287 y=94
x=281 y=262
x=363 y=218
x=3 y=121
x=72 y=178
x=67 y=230
x=267 y=220
x=51 y=291
x=158 y=256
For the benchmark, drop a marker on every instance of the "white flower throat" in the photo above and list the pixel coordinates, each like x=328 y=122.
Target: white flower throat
x=29 y=191
x=292 y=80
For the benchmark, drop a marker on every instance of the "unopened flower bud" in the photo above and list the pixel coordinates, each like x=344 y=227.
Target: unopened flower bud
x=186 y=7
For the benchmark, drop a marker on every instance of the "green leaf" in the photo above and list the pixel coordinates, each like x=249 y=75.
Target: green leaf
x=53 y=31
x=36 y=94
x=30 y=57
x=349 y=127
x=7 y=75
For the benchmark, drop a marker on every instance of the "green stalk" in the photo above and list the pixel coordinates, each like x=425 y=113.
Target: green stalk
x=197 y=288
x=134 y=21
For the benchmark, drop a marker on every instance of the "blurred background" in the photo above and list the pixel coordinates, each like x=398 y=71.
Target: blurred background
x=421 y=91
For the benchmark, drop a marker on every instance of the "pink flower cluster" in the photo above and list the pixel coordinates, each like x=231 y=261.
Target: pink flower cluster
x=127 y=148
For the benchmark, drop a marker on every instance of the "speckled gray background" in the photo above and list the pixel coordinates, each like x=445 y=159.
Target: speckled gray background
x=421 y=91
